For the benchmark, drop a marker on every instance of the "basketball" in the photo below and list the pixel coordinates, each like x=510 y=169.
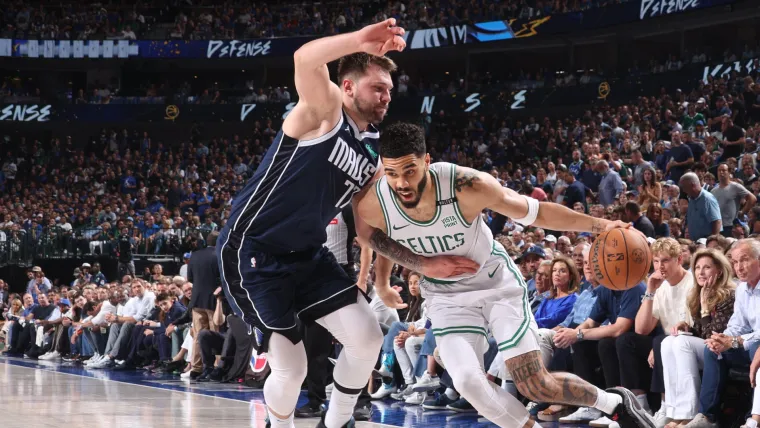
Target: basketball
x=620 y=258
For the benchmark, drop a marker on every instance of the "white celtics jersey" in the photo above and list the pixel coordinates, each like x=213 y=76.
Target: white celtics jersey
x=448 y=233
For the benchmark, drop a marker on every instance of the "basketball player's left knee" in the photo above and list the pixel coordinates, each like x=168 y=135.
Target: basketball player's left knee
x=366 y=340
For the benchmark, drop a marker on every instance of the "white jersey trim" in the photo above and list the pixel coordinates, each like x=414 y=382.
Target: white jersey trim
x=315 y=141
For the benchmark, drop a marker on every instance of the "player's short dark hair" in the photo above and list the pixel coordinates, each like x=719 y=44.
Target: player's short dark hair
x=401 y=139
x=358 y=63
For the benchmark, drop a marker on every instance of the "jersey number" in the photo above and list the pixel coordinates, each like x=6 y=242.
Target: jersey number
x=346 y=198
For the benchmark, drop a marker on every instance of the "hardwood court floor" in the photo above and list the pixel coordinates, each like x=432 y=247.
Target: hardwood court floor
x=42 y=394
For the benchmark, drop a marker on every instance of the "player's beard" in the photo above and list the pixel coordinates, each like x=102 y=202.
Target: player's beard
x=372 y=113
x=416 y=201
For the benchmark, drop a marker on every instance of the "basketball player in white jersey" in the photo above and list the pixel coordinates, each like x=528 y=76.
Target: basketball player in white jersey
x=434 y=210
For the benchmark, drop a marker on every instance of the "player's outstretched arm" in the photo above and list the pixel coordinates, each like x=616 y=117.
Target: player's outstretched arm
x=477 y=190
x=319 y=99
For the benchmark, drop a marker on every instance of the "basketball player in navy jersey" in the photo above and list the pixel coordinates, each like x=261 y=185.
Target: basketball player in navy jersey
x=274 y=267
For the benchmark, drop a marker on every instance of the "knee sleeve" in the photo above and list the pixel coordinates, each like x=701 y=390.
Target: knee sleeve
x=357 y=329
x=288 y=364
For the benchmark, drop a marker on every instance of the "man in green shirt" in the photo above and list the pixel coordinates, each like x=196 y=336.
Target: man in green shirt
x=691 y=117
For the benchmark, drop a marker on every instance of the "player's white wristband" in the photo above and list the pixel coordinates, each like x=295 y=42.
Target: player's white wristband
x=529 y=218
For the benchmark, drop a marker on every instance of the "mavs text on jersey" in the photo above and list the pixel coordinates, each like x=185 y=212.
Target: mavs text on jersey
x=274 y=265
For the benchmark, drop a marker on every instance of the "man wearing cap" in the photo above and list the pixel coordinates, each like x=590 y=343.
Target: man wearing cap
x=38 y=284
x=86 y=272
x=183 y=268
x=550 y=241
x=529 y=262
x=691 y=117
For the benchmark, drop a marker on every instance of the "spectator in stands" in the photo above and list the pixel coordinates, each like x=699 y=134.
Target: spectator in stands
x=135 y=310
x=730 y=195
x=611 y=185
x=662 y=308
x=738 y=343
x=650 y=190
x=704 y=217
x=641 y=222
x=565 y=282
x=594 y=344
x=529 y=261
x=661 y=228
x=542 y=283
x=24 y=337
x=711 y=303
x=575 y=192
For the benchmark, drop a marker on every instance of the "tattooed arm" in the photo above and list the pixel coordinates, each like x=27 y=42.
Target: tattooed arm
x=477 y=190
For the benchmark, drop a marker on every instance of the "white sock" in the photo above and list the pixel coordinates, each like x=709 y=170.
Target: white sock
x=607 y=402
x=453 y=395
x=751 y=423
x=340 y=409
x=276 y=422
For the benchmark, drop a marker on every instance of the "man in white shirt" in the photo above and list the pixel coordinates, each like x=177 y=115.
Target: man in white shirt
x=665 y=304
x=95 y=328
x=136 y=310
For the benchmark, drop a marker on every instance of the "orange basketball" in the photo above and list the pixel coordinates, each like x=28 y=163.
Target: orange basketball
x=620 y=258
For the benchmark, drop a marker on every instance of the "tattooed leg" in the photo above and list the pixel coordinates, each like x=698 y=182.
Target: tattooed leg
x=535 y=382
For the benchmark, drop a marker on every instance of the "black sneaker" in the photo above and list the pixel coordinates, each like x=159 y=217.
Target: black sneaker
x=349 y=424
x=363 y=413
x=216 y=375
x=195 y=375
x=629 y=413
x=204 y=377
x=312 y=409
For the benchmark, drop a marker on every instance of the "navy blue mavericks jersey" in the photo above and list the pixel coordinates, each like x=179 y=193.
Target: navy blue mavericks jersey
x=301 y=186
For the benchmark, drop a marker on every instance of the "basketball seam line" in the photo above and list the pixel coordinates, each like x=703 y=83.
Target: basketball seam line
x=628 y=259
x=603 y=263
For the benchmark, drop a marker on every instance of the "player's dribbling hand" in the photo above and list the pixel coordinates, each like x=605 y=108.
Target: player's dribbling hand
x=390 y=297
x=448 y=266
x=378 y=39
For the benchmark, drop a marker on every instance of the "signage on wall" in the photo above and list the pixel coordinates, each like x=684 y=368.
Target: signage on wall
x=26 y=113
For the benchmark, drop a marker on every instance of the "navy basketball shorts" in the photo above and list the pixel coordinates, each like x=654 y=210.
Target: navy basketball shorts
x=272 y=291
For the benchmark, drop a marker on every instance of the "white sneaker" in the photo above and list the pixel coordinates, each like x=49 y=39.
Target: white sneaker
x=531 y=405
x=427 y=383
x=661 y=418
x=185 y=375
x=602 y=422
x=48 y=356
x=403 y=394
x=100 y=364
x=384 y=391
x=119 y=362
x=582 y=415
x=416 y=398
x=94 y=359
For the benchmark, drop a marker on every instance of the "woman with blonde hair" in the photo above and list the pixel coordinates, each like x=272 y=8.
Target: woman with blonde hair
x=565 y=282
x=711 y=303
